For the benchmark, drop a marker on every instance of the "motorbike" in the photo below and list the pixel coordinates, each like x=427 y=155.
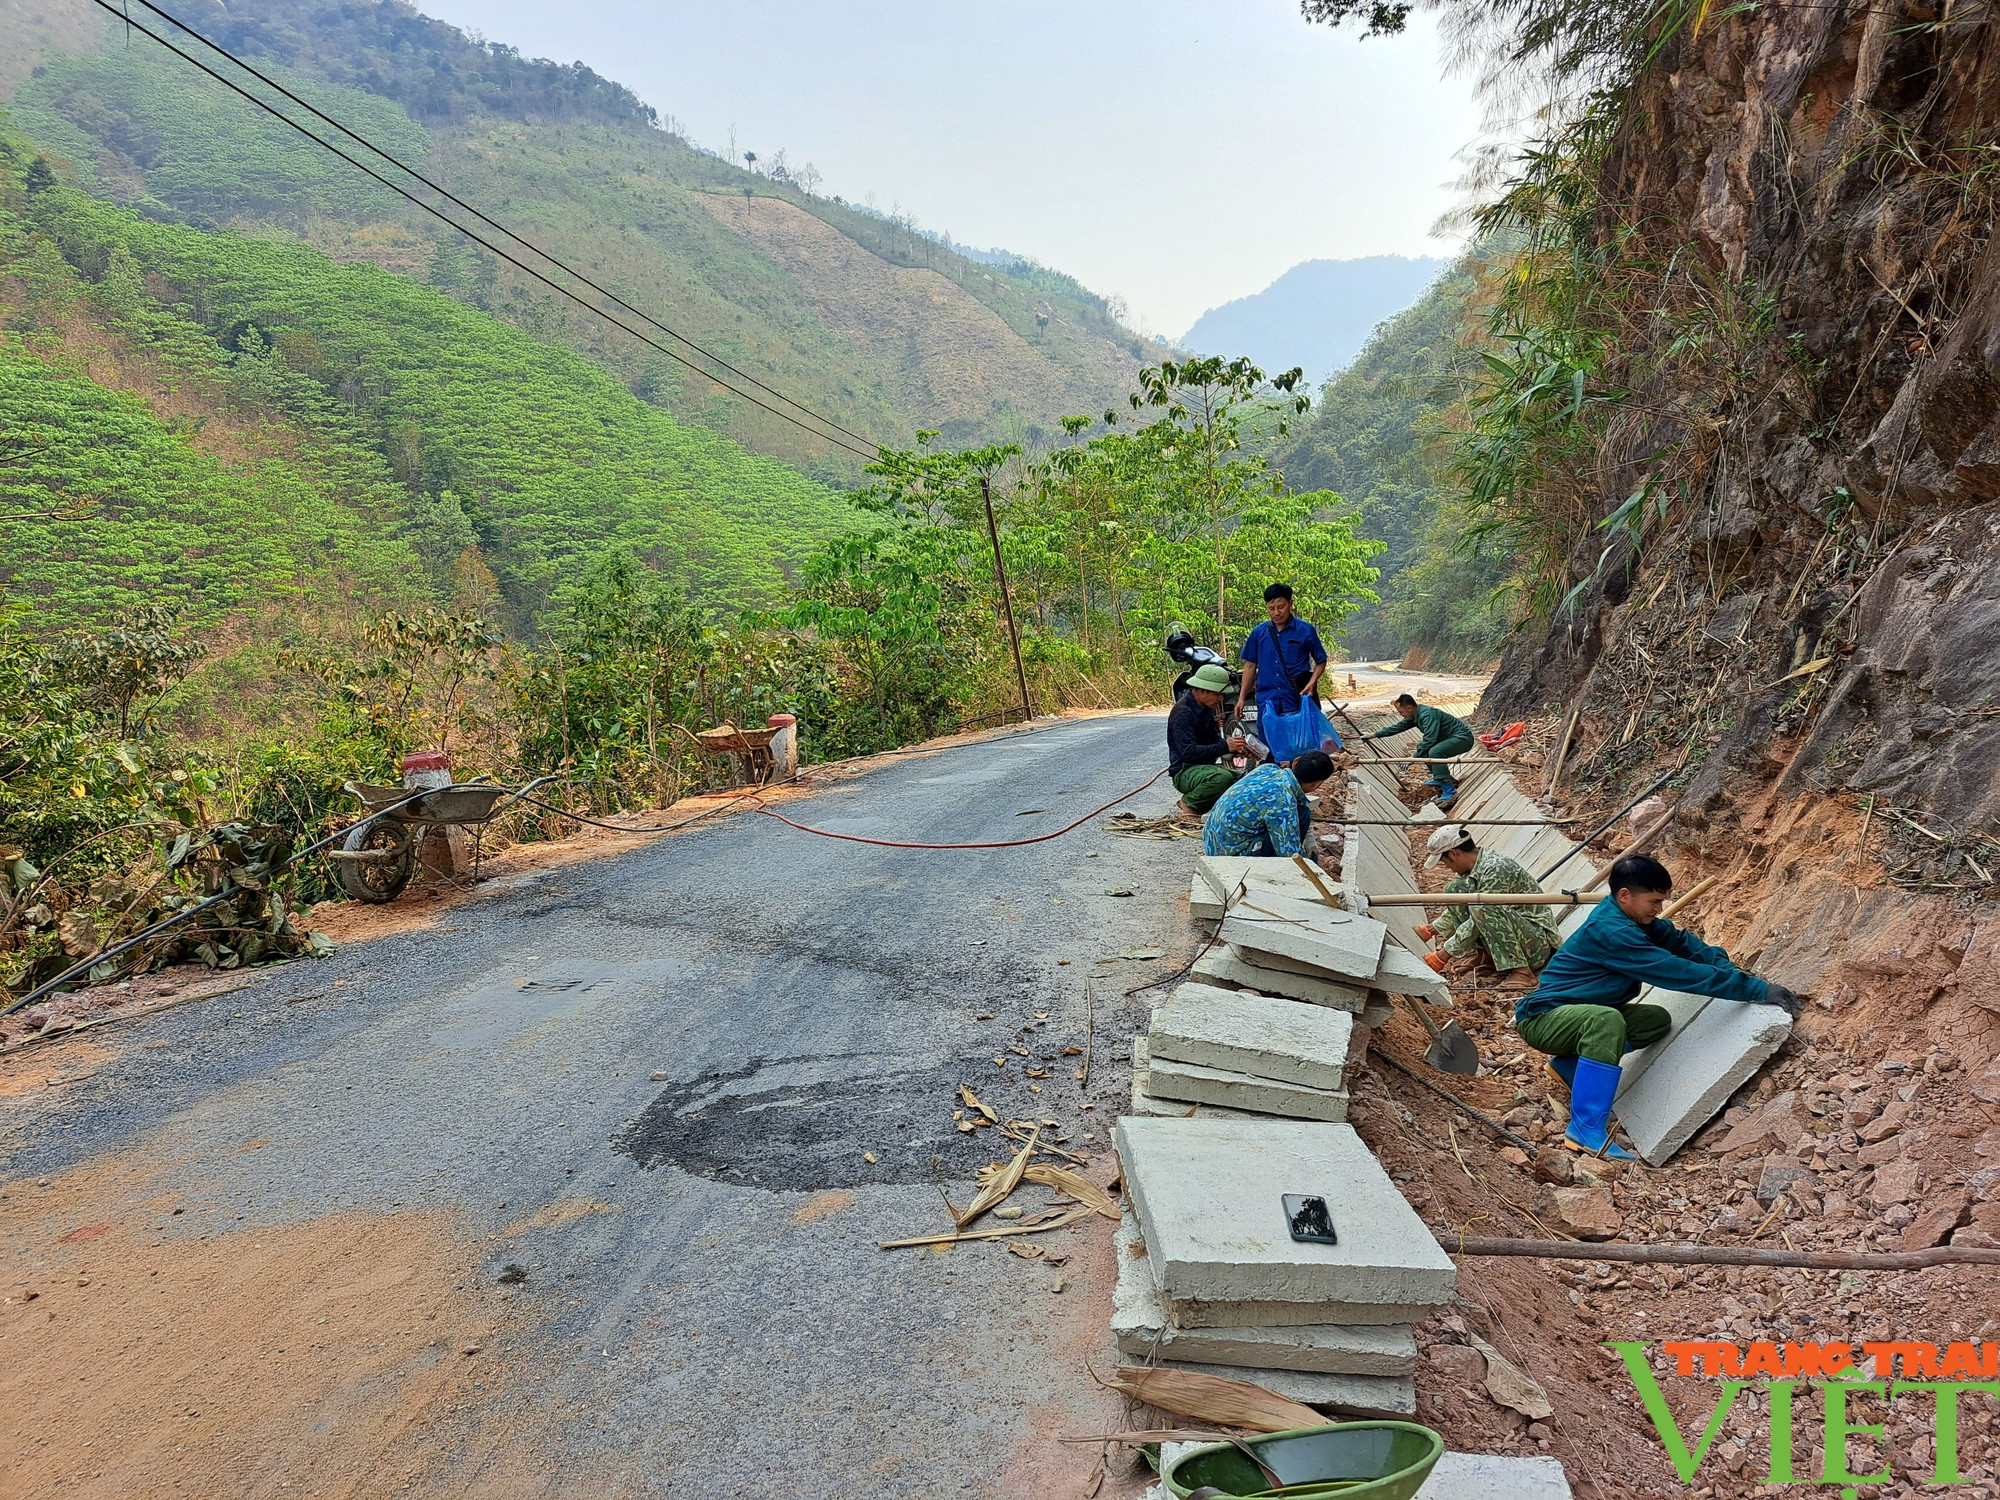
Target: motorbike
x=1192 y=655
x=1183 y=648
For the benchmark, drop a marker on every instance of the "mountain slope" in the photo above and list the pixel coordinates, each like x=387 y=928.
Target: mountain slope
x=348 y=427
x=576 y=164
x=1317 y=315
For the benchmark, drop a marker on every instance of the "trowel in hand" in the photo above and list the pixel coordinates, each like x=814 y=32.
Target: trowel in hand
x=1451 y=1050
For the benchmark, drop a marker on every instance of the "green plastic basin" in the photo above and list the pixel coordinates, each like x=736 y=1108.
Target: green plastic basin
x=1352 y=1460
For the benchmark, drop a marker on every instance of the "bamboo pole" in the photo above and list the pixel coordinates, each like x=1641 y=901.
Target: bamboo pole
x=1713 y=1255
x=1491 y=898
x=1562 y=751
x=1468 y=822
x=1440 y=760
x=1695 y=892
x=1639 y=845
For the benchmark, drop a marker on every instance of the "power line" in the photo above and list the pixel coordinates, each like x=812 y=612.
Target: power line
x=486 y=219
x=870 y=452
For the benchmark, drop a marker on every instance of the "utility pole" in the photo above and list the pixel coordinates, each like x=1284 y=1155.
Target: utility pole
x=1006 y=599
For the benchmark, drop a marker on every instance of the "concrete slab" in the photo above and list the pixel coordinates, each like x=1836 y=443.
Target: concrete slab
x=1335 y=943
x=1203 y=904
x=1209 y=1193
x=1226 y=965
x=1144 y=1103
x=1484 y=1476
x=1376 y=1395
x=1403 y=973
x=1260 y=1035
x=1225 y=874
x=1140 y=1324
x=1695 y=1073
x=1190 y=1083
x=1285 y=943
x=1683 y=1008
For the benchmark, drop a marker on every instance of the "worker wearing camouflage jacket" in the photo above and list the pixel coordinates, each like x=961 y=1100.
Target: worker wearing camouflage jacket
x=1519 y=939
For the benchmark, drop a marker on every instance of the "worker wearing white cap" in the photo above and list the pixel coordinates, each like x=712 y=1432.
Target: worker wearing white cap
x=1519 y=939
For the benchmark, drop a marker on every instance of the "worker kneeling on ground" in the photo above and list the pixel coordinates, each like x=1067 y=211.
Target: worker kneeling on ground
x=1442 y=735
x=1519 y=939
x=1581 y=1012
x=1196 y=744
x=1266 y=813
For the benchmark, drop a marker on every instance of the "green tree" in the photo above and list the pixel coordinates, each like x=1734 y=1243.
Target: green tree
x=1198 y=449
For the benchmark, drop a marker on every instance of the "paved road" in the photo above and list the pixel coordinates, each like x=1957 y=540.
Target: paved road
x=721 y=1314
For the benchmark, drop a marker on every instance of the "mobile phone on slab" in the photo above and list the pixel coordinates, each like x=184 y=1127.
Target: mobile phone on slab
x=1309 y=1219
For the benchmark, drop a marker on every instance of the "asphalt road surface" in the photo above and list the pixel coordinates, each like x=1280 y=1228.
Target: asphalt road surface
x=710 y=1314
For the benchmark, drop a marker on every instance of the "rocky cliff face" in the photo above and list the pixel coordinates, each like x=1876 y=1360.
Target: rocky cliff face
x=1802 y=204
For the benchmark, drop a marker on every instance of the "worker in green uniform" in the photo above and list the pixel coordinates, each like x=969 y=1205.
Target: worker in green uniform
x=1581 y=1011
x=1519 y=939
x=1442 y=735
x=1197 y=746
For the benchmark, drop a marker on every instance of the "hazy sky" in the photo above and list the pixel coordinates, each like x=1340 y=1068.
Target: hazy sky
x=1177 y=153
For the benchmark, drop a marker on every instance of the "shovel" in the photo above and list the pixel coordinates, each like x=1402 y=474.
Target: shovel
x=1451 y=1050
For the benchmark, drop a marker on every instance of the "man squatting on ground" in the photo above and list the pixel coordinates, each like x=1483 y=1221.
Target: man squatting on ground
x=1519 y=939
x=1282 y=659
x=1196 y=743
x=1443 y=735
x=1266 y=813
x=1581 y=1012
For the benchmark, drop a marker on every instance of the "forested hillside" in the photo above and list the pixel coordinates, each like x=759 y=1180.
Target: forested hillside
x=427 y=433
x=856 y=313
x=1382 y=435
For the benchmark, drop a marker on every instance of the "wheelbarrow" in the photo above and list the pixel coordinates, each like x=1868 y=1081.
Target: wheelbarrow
x=379 y=855
x=750 y=748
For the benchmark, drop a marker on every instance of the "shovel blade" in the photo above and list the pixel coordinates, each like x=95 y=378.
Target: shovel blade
x=1452 y=1051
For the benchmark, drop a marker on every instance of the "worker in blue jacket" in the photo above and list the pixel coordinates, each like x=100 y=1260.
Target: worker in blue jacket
x=1580 y=1012
x=1283 y=659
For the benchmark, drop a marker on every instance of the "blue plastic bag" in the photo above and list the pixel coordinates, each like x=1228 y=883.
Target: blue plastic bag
x=1292 y=735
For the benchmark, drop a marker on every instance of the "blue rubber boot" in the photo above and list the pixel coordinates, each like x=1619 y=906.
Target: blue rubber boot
x=1565 y=1069
x=1590 y=1095
x=1446 y=797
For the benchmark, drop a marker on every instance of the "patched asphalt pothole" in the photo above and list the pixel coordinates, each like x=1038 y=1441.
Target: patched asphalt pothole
x=810 y=1124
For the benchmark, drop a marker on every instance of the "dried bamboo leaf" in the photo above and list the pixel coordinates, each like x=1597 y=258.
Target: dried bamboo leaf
x=1076 y=1185
x=1210 y=1398
x=1002 y=1183
x=1511 y=1386
x=1037 y=1225
x=972 y=1102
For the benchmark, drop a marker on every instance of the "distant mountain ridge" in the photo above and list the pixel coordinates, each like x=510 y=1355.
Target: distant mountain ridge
x=1317 y=315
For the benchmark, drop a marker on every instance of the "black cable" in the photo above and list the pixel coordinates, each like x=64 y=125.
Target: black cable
x=555 y=286
x=453 y=198
x=707 y=812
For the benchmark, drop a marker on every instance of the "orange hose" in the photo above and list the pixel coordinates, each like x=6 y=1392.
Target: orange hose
x=1040 y=838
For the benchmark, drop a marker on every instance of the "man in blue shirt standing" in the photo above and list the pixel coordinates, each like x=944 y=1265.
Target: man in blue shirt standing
x=1282 y=659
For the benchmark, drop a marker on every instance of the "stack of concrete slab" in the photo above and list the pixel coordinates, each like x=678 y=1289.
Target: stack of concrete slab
x=1222 y=878
x=1210 y=1277
x=1323 y=942
x=1243 y=1052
